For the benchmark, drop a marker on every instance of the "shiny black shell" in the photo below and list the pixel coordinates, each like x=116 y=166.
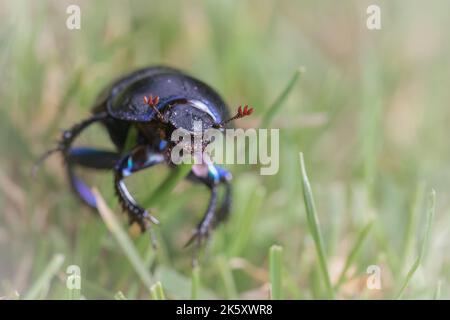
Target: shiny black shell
x=124 y=99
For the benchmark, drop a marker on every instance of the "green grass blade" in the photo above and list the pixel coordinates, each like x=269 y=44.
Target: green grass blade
x=354 y=252
x=437 y=292
x=46 y=277
x=430 y=215
x=157 y=292
x=124 y=240
x=195 y=284
x=314 y=228
x=278 y=103
x=162 y=192
x=73 y=87
x=120 y=296
x=130 y=142
x=227 y=278
x=411 y=225
x=242 y=234
x=276 y=270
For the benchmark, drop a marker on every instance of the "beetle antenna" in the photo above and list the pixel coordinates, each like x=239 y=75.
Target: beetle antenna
x=241 y=113
x=152 y=102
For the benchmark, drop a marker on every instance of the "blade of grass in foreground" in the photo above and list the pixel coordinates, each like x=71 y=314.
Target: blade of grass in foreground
x=227 y=278
x=354 y=253
x=411 y=226
x=426 y=237
x=275 y=267
x=157 y=292
x=243 y=232
x=124 y=240
x=276 y=106
x=119 y=296
x=163 y=190
x=314 y=228
x=437 y=292
x=44 y=280
x=195 y=283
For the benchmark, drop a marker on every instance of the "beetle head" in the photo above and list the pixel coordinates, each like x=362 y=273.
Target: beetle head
x=189 y=115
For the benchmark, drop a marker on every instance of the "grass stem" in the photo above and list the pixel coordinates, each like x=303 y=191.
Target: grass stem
x=279 y=101
x=354 y=252
x=275 y=271
x=124 y=240
x=157 y=292
x=195 y=283
x=314 y=228
x=43 y=282
x=430 y=215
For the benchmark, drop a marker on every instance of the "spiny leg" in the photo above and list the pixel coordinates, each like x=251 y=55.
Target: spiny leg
x=83 y=156
x=204 y=227
x=68 y=137
x=211 y=178
x=139 y=158
x=92 y=158
x=223 y=212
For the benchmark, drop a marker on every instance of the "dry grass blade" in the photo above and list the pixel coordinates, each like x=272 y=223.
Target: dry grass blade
x=124 y=240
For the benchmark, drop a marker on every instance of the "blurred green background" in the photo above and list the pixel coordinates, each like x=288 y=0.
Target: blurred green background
x=369 y=113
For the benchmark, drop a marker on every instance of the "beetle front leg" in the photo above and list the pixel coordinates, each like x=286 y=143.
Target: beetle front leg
x=203 y=229
x=68 y=137
x=225 y=208
x=224 y=211
x=212 y=177
x=139 y=158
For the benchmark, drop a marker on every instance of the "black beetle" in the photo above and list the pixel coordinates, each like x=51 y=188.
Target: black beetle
x=155 y=101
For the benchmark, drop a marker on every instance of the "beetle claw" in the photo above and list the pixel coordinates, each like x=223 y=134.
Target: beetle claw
x=199 y=237
x=150 y=218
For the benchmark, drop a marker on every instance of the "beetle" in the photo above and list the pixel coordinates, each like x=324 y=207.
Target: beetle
x=154 y=101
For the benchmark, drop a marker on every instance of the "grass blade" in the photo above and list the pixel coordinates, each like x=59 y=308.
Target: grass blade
x=195 y=284
x=157 y=292
x=437 y=292
x=242 y=234
x=73 y=87
x=411 y=225
x=124 y=240
x=120 y=296
x=354 y=252
x=430 y=215
x=276 y=106
x=276 y=270
x=130 y=142
x=162 y=192
x=44 y=280
x=314 y=228
x=227 y=277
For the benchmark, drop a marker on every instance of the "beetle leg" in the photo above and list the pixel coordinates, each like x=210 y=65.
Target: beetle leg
x=224 y=211
x=224 y=178
x=139 y=158
x=90 y=158
x=68 y=137
x=214 y=176
x=202 y=232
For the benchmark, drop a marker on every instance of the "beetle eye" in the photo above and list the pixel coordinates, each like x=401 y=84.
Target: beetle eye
x=186 y=116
